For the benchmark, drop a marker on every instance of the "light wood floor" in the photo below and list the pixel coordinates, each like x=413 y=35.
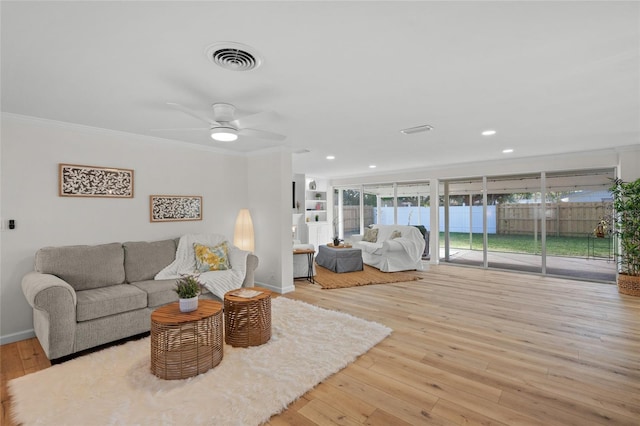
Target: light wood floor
x=469 y=346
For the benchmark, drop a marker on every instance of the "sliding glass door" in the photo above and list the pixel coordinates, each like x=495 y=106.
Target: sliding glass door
x=514 y=212
x=461 y=222
x=579 y=238
x=541 y=223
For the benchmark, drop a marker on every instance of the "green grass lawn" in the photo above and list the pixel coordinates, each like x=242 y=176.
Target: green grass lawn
x=556 y=246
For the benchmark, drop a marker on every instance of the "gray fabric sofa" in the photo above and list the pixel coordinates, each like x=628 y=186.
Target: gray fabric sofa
x=86 y=296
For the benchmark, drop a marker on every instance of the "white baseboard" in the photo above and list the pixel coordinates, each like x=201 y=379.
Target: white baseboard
x=15 y=337
x=279 y=290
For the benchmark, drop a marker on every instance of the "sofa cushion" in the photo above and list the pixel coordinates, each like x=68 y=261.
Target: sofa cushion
x=143 y=260
x=105 y=301
x=159 y=292
x=83 y=267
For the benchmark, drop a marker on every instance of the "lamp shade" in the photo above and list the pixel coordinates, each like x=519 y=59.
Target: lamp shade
x=243 y=237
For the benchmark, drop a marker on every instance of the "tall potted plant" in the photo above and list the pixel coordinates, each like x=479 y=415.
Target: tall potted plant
x=626 y=203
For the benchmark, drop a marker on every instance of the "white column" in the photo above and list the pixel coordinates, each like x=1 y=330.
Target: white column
x=434 y=222
x=340 y=213
x=485 y=235
x=543 y=221
x=446 y=221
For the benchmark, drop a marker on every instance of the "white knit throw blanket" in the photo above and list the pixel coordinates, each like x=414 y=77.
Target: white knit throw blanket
x=217 y=282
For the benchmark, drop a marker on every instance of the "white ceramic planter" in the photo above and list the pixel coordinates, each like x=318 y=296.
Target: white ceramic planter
x=189 y=305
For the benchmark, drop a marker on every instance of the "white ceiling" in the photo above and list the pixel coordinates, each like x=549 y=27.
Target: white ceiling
x=343 y=77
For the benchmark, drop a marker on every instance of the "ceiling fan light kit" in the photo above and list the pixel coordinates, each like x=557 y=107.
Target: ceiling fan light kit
x=224 y=134
x=417 y=129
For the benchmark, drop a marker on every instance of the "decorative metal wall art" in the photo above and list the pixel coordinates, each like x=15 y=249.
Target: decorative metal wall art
x=93 y=181
x=171 y=208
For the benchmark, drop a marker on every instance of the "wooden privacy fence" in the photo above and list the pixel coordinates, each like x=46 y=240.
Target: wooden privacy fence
x=351 y=217
x=562 y=219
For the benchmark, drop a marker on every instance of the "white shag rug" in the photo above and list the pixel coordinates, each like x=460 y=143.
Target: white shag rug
x=115 y=386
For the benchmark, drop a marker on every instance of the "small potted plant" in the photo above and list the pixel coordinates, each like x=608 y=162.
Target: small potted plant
x=336 y=238
x=188 y=289
x=601 y=228
x=626 y=204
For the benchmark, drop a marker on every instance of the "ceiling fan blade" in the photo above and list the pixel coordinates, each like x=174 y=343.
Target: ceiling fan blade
x=193 y=113
x=261 y=134
x=200 y=129
x=253 y=119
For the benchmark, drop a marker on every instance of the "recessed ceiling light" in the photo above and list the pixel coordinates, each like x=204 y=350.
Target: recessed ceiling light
x=489 y=132
x=507 y=151
x=372 y=166
x=331 y=157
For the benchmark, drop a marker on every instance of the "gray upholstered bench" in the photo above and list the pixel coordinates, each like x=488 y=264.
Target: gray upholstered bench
x=340 y=259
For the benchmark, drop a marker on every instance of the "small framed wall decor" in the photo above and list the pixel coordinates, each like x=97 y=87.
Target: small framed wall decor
x=172 y=208
x=94 y=181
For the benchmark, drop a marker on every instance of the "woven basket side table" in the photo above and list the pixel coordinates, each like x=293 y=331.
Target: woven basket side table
x=185 y=344
x=247 y=321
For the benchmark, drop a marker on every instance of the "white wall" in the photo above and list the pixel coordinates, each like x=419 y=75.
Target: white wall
x=270 y=206
x=630 y=164
x=30 y=152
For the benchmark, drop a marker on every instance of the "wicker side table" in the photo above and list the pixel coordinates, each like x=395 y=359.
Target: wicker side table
x=185 y=344
x=247 y=321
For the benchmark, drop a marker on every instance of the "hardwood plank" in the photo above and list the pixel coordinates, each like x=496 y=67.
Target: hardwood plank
x=32 y=356
x=343 y=402
x=291 y=417
x=382 y=418
x=322 y=413
x=459 y=414
x=411 y=412
x=392 y=386
x=430 y=379
x=11 y=367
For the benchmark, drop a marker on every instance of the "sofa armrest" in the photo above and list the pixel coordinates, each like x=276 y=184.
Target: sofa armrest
x=38 y=287
x=252 y=264
x=54 y=312
x=392 y=245
x=355 y=238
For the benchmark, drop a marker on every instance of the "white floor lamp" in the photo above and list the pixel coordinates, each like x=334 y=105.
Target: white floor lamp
x=243 y=236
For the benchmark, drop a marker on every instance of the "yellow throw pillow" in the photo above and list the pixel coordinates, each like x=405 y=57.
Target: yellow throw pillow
x=212 y=258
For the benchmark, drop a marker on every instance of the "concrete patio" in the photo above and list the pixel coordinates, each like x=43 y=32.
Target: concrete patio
x=592 y=268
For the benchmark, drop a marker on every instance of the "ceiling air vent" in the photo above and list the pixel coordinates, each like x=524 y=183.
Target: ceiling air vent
x=233 y=56
x=417 y=129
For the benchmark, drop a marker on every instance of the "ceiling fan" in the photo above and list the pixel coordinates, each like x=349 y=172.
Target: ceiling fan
x=226 y=127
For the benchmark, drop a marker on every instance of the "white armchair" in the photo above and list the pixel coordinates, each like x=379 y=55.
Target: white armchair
x=396 y=248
